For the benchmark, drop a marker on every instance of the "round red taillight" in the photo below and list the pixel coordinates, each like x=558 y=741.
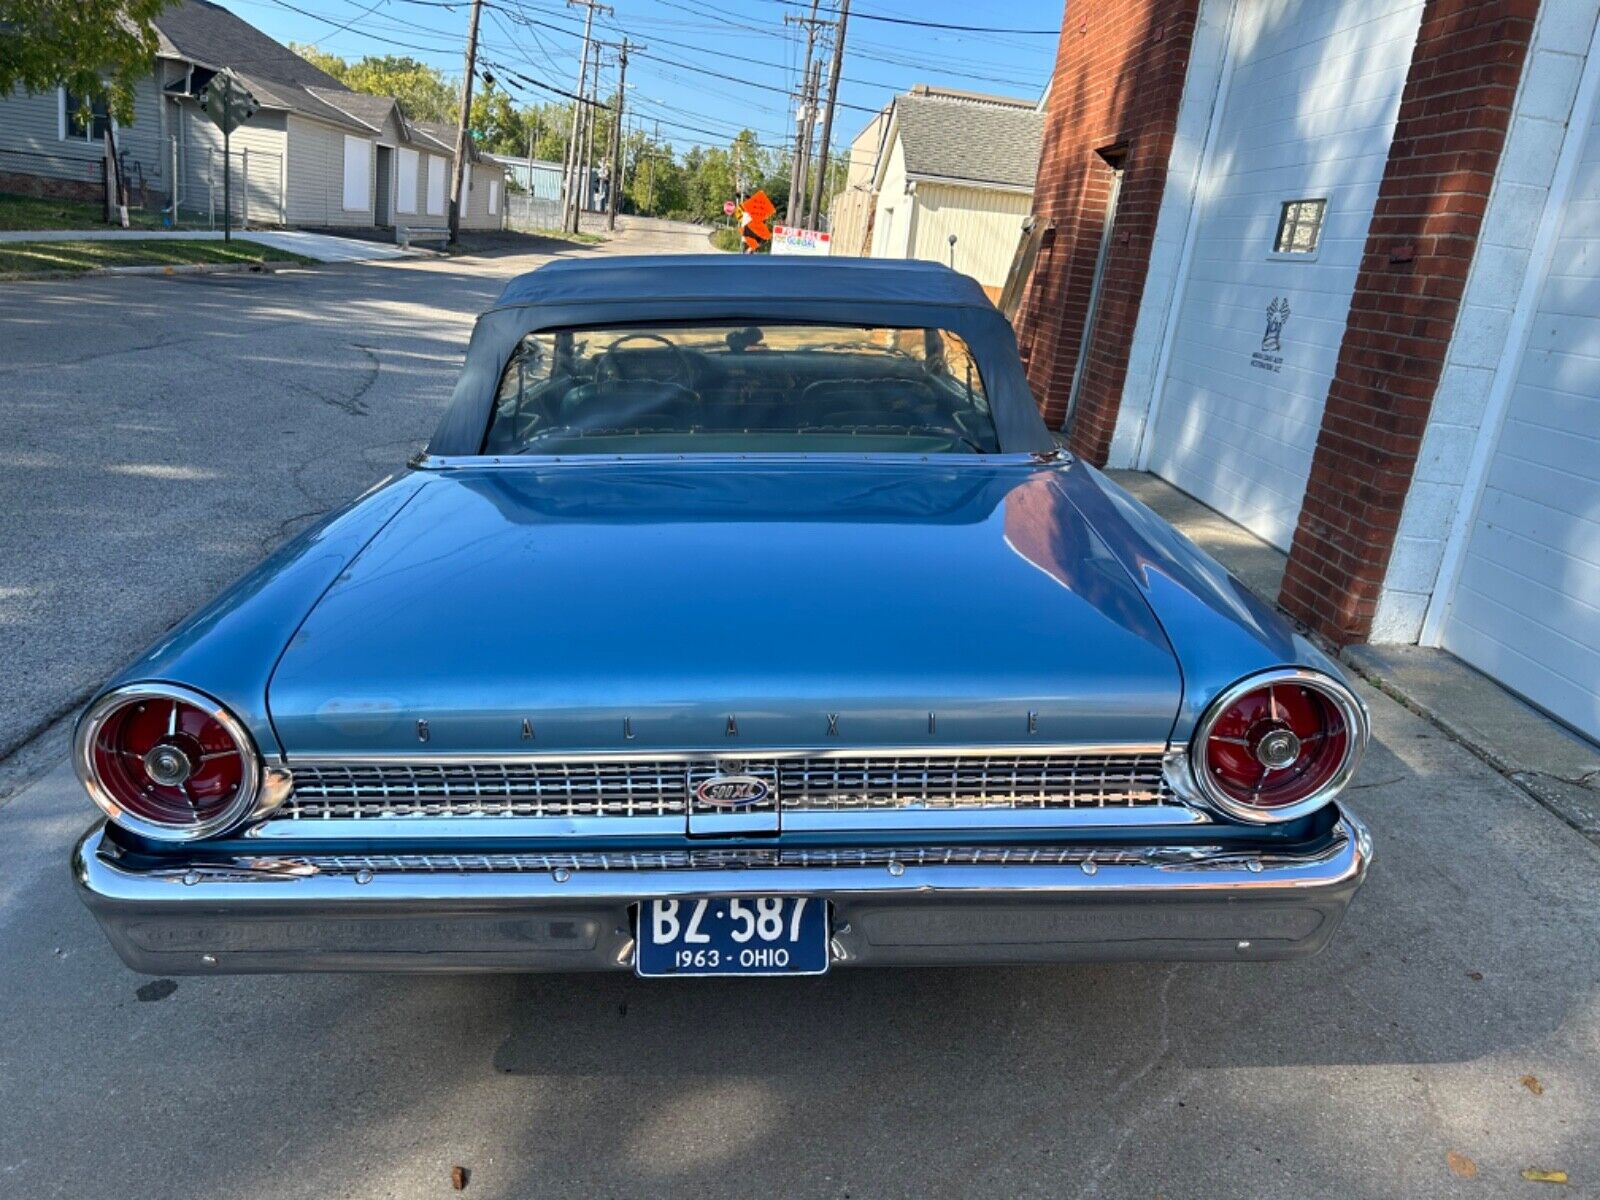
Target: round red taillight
x=167 y=762
x=1275 y=747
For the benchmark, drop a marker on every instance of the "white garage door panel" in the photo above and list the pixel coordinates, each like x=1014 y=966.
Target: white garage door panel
x=1521 y=642
x=1529 y=674
x=1309 y=113
x=1527 y=608
x=1542 y=451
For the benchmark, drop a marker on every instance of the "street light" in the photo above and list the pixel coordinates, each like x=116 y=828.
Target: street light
x=952 y=252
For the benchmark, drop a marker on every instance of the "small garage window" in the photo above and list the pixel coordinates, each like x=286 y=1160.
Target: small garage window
x=1300 y=227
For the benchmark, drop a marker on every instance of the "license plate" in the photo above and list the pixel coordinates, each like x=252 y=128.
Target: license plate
x=739 y=935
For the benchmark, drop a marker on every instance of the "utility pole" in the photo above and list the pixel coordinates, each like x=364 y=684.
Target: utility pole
x=807 y=130
x=650 y=195
x=802 y=114
x=572 y=200
x=613 y=193
x=568 y=163
x=458 y=182
x=586 y=195
x=827 y=119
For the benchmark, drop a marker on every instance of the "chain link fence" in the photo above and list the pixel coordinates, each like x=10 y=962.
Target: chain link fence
x=529 y=214
x=254 y=191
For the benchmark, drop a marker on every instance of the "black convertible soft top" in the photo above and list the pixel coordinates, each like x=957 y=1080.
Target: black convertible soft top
x=637 y=289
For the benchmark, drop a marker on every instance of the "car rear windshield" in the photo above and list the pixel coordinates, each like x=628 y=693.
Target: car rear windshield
x=741 y=389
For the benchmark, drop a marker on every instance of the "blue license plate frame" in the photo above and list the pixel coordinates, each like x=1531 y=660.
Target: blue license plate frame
x=731 y=936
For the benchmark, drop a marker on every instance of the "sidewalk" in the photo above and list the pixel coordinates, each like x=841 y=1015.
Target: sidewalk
x=1553 y=765
x=320 y=246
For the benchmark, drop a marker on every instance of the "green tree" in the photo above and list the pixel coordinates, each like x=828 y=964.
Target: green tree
x=328 y=64
x=98 y=48
x=424 y=92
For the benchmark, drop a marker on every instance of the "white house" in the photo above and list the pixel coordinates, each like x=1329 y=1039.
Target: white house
x=953 y=181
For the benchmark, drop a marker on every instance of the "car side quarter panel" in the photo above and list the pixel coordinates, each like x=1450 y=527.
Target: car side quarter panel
x=1219 y=629
x=229 y=648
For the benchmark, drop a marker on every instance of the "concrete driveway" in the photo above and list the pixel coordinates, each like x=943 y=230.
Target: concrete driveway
x=162 y=433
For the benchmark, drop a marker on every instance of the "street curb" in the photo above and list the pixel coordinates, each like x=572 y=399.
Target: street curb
x=169 y=269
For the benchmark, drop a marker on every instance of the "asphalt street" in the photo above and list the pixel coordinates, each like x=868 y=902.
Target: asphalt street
x=160 y=434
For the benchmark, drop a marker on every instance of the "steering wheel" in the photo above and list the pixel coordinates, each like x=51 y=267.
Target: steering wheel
x=607 y=366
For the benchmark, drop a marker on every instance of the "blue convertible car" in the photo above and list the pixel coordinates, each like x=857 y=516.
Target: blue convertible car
x=741 y=617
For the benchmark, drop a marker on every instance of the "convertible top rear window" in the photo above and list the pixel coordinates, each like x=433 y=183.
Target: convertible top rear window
x=741 y=388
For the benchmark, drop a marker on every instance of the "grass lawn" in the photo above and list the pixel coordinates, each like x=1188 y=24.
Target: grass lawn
x=28 y=258
x=32 y=212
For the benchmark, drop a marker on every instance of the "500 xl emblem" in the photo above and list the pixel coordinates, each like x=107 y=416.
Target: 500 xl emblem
x=733 y=791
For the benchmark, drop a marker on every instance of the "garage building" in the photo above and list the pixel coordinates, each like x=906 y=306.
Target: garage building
x=1333 y=268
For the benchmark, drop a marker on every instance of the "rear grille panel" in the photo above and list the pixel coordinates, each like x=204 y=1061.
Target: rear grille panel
x=664 y=787
x=739 y=859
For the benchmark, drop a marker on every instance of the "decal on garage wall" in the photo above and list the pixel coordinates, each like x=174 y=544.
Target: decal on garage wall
x=1268 y=357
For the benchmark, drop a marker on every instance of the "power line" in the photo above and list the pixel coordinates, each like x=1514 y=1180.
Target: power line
x=863 y=16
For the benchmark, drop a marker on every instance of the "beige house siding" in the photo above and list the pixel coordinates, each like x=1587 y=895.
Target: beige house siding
x=895 y=213
x=200 y=181
x=475 y=210
x=30 y=125
x=985 y=221
x=863 y=162
x=316 y=175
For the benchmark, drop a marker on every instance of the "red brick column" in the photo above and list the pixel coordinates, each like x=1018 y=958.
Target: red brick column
x=1452 y=124
x=1118 y=81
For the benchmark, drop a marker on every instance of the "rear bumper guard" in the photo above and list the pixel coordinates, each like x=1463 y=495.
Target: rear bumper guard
x=413 y=913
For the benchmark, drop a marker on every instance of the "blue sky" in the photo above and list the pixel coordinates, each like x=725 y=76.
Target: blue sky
x=684 y=39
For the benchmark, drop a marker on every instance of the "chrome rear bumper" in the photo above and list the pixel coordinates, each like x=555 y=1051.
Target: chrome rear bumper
x=265 y=915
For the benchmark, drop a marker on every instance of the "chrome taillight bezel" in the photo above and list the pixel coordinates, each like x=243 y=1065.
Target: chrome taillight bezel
x=256 y=782
x=1351 y=710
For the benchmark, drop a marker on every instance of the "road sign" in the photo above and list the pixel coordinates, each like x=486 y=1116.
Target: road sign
x=753 y=214
x=786 y=239
x=729 y=207
x=227 y=102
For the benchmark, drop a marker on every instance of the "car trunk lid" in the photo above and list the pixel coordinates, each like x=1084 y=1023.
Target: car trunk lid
x=651 y=606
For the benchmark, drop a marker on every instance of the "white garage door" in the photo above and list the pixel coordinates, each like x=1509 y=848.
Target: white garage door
x=1526 y=609
x=1309 y=111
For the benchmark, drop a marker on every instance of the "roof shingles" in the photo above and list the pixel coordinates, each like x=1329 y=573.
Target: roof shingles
x=975 y=144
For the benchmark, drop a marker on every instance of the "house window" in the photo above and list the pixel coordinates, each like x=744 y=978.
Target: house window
x=1300 y=227
x=84 y=118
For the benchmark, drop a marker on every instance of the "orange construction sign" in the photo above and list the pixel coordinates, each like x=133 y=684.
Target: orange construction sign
x=753 y=214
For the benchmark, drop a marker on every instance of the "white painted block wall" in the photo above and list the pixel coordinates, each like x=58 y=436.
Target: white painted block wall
x=1441 y=501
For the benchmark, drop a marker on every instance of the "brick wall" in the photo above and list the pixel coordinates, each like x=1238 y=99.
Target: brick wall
x=1115 y=93
x=1451 y=127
